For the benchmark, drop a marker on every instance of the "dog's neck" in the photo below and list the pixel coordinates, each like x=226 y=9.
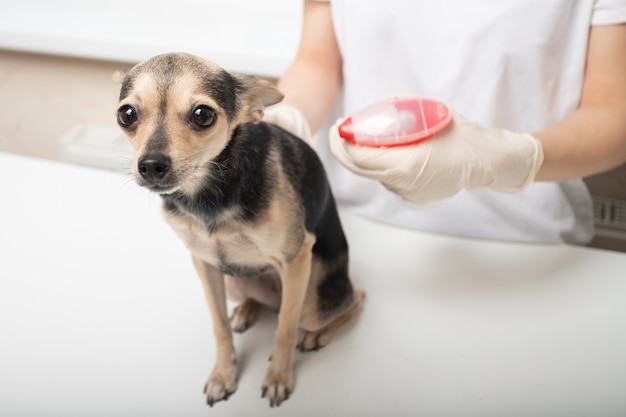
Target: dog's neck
x=236 y=185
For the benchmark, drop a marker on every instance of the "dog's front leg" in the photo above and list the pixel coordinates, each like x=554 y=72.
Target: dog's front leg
x=223 y=379
x=279 y=381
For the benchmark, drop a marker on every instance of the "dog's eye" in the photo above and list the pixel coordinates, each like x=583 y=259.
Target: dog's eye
x=126 y=116
x=203 y=117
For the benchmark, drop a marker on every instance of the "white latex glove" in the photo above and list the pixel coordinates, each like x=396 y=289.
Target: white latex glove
x=465 y=155
x=290 y=119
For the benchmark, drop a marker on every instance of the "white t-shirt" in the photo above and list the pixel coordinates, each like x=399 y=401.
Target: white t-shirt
x=514 y=64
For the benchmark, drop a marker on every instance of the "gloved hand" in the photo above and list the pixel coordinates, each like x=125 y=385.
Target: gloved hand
x=290 y=119
x=465 y=155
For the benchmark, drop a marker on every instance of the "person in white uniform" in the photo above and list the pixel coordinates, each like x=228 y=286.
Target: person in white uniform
x=537 y=90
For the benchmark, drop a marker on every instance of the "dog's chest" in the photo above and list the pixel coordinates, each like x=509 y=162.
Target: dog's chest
x=233 y=248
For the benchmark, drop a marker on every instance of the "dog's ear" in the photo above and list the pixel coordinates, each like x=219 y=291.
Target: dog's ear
x=256 y=94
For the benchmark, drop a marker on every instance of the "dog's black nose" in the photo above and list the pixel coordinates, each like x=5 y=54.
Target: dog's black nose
x=154 y=168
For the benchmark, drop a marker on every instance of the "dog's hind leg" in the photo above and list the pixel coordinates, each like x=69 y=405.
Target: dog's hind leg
x=315 y=338
x=330 y=302
x=244 y=315
x=223 y=379
x=251 y=293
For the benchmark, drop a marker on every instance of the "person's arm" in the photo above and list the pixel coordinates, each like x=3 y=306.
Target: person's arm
x=593 y=138
x=312 y=82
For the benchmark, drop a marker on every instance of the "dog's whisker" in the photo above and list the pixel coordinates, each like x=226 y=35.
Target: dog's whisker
x=221 y=167
x=126 y=180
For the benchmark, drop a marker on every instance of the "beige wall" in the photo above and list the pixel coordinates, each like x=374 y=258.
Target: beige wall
x=42 y=97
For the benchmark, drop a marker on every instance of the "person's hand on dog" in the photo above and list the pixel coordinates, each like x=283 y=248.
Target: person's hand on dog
x=465 y=155
x=289 y=118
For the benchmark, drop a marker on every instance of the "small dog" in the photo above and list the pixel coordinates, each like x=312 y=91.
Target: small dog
x=250 y=201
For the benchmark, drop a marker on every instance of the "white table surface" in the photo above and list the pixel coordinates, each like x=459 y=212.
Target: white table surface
x=251 y=36
x=101 y=314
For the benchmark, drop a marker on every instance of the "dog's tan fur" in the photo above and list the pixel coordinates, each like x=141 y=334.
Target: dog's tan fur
x=277 y=238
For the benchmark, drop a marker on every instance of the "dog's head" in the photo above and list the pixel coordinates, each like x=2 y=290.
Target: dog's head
x=179 y=112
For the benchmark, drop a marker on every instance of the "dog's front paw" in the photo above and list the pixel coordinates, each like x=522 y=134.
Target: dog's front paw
x=277 y=387
x=220 y=386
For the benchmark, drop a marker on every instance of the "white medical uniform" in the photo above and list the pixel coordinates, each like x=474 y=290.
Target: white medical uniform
x=514 y=64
